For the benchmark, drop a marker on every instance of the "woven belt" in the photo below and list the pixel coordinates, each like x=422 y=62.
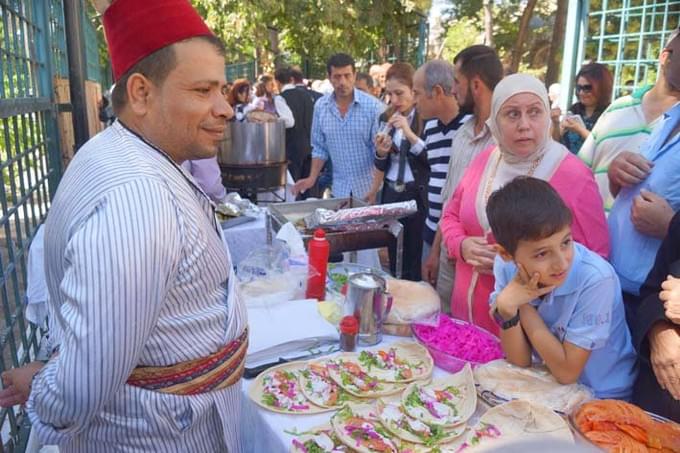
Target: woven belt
x=217 y=371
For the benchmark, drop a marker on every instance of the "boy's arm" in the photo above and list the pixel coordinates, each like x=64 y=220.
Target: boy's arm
x=508 y=298
x=564 y=360
x=516 y=347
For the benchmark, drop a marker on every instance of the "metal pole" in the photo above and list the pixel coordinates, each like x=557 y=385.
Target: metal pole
x=572 y=47
x=422 y=40
x=75 y=48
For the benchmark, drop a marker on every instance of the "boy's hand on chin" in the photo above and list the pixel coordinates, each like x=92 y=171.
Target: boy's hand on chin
x=520 y=291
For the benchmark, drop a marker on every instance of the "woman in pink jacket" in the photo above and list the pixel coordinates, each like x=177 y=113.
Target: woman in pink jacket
x=520 y=123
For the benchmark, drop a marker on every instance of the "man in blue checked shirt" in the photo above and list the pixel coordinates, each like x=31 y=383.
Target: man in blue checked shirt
x=343 y=129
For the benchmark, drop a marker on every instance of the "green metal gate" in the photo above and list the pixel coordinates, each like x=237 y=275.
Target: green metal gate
x=626 y=35
x=30 y=164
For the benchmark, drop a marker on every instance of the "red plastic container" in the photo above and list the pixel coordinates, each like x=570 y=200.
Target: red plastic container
x=349 y=328
x=319 y=250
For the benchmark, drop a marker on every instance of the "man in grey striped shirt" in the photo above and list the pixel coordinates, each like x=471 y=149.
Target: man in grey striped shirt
x=477 y=70
x=433 y=92
x=137 y=274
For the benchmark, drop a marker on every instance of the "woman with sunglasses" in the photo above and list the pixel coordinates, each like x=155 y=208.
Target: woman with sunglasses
x=594 y=92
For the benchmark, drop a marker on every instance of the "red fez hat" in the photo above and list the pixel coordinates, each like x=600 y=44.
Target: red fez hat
x=137 y=28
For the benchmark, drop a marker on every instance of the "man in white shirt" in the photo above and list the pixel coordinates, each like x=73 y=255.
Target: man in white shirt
x=152 y=331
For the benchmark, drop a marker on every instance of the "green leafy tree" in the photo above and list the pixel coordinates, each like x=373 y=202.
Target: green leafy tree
x=304 y=30
x=465 y=26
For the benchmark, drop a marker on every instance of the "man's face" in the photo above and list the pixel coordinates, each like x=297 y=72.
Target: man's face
x=462 y=90
x=342 y=79
x=188 y=113
x=551 y=257
x=425 y=102
x=361 y=84
x=670 y=64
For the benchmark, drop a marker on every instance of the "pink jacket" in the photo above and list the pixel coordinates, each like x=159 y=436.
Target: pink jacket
x=575 y=184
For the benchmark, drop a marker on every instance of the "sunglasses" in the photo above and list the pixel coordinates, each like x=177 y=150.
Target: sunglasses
x=584 y=88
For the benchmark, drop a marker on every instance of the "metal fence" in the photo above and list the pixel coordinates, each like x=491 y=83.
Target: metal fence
x=32 y=55
x=626 y=35
x=30 y=167
x=247 y=70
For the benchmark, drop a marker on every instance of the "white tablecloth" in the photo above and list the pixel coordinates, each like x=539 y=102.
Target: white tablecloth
x=264 y=431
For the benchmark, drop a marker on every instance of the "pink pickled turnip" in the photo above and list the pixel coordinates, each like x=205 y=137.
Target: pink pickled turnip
x=461 y=340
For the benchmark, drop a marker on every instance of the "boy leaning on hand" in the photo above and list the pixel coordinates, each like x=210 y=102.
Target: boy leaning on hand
x=555 y=300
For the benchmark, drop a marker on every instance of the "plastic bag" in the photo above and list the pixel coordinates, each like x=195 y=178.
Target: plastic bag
x=269 y=275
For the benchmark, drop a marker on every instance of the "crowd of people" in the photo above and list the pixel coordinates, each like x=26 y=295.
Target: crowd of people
x=454 y=137
x=541 y=228
x=560 y=237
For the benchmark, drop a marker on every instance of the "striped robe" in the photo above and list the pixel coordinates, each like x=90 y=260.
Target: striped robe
x=137 y=275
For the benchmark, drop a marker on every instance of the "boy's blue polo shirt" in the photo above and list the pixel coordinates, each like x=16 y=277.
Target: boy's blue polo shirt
x=587 y=311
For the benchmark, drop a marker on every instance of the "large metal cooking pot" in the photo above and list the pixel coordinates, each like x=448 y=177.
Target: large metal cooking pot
x=249 y=143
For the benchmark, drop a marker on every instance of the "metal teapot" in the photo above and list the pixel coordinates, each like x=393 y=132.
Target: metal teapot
x=368 y=300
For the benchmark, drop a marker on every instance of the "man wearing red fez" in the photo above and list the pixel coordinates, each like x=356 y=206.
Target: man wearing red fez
x=150 y=328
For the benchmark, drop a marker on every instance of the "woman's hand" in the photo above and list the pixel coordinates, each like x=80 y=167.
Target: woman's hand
x=555 y=115
x=670 y=296
x=383 y=145
x=477 y=252
x=399 y=121
x=572 y=124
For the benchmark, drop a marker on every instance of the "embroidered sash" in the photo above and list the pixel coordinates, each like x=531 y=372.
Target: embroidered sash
x=214 y=372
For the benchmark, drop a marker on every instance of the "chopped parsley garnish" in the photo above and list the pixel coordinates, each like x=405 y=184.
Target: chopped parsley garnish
x=367 y=359
x=413 y=399
x=313 y=447
x=269 y=399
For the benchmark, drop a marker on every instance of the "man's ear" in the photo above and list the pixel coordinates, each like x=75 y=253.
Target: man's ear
x=138 y=91
x=437 y=91
x=663 y=57
x=502 y=252
x=476 y=85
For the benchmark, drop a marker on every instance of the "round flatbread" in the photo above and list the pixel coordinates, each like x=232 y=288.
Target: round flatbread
x=445 y=402
x=278 y=389
x=319 y=439
x=400 y=362
x=412 y=302
x=499 y=381
x=317 y=385
x=392 y=415
x=347 y=373
x=357 y=427
x=524 y=420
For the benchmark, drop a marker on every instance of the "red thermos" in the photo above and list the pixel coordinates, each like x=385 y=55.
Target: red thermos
x=319 y=249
